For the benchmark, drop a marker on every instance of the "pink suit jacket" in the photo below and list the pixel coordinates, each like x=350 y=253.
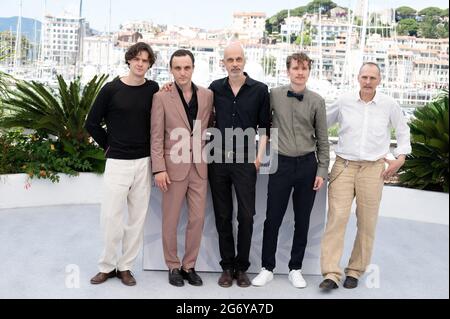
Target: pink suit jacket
x=175 y=154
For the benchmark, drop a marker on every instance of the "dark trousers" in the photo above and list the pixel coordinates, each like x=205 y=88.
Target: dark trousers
x=296 y=173
x=222 y=176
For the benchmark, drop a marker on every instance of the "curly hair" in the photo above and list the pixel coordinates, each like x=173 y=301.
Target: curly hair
x=137 y=48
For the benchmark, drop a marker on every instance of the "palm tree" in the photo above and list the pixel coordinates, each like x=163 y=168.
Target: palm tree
x=34 y=106
x=5 y=79
x=428 y=165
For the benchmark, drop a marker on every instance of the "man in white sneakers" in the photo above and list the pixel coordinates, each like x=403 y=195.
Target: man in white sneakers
x=299 y=115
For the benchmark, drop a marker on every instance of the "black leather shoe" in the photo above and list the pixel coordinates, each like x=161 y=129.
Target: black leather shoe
x=192 y=277
x=328 y=284
x=350 y=282
x=226 y=279
x=175 y=278
x=242 y=279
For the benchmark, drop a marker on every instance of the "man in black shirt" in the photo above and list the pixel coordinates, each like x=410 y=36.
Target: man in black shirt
x=124 y=105
x=241 y=104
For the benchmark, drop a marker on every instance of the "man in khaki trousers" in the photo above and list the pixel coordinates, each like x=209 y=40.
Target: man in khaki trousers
x=179 y=121
x=365 y=119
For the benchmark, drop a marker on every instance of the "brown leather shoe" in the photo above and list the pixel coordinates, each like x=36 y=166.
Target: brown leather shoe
x=226 y=279
x=101 y=277
x=126 y=277
x=242 y=279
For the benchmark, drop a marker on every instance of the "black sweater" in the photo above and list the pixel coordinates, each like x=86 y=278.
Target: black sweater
x=126 y=111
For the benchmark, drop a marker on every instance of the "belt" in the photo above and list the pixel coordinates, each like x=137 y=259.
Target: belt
x=296 y=157
x=233 y=155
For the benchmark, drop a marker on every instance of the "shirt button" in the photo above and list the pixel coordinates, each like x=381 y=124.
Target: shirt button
x=234 y=114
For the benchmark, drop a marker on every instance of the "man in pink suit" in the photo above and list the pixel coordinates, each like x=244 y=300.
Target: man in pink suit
x=179 y=121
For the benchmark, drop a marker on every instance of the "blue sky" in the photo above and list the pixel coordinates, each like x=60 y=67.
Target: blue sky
x=199 y=13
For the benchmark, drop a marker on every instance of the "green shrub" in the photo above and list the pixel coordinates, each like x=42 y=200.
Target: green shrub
x=60 y=143
x=428 y=165
x=333 y=131
x=43 y=158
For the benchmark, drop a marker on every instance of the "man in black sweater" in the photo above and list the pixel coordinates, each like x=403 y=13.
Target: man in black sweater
x=124 y=105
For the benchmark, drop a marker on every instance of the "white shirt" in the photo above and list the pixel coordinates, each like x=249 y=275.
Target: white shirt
x=364 y=128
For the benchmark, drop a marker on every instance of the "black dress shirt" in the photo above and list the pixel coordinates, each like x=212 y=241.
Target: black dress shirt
x=191 y=108
x=250 y=108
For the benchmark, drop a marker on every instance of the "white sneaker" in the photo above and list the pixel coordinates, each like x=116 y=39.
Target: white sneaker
x=296 y=278
x=263 y=278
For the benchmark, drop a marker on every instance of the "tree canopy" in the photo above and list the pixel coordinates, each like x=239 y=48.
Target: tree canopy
x=405 y=12
x=273 y=23
x=431 y=12
x=426 y=23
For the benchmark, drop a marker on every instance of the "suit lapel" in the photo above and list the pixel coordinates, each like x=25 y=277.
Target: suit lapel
x=179 y=106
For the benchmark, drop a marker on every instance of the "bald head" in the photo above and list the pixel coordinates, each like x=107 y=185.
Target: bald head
x=235 y=49
x=234 y=60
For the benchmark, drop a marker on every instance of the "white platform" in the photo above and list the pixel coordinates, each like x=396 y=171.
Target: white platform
x=209 y=253
x=18 y=191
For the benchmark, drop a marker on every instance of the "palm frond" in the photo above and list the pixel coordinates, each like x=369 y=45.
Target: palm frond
x=32 y=105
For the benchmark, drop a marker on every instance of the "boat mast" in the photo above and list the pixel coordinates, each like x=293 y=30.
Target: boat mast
x=109 y=39
x=18 y=46
x=320 y=43
x=362 y=43
x=80 y=41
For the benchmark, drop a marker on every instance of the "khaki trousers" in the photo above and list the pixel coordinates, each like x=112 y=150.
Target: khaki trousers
x=193 y=189
x=350 y=179
x=125 y=182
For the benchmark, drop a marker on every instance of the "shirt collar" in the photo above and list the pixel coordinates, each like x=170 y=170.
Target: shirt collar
x=375 y=100
x=289 y=88
x=194 y=87
x=248 y=80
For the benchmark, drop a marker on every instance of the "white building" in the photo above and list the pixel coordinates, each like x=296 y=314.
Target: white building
x=292 y=25
x=338 y=13
x=61 y=38
x=359 y=8
x=249 y=25
x=145 y=28
x=183 y=31
x=386 y=16
x=329 y=30
x=101 y=56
